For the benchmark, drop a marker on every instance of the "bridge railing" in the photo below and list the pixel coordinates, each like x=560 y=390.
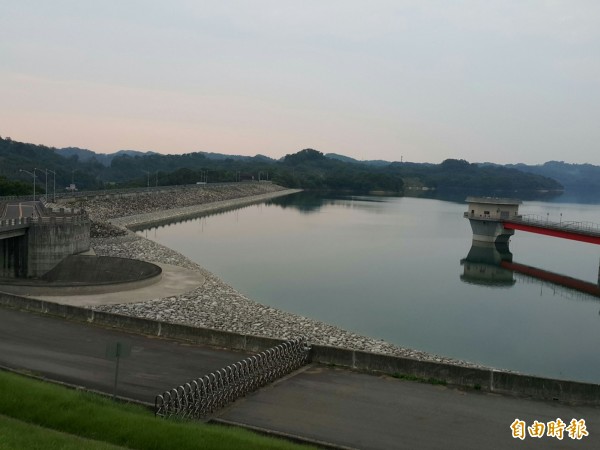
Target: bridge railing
x=203 y=396
x=24 y=222
x=60 y=219
x=21 y=222
x=544 y=222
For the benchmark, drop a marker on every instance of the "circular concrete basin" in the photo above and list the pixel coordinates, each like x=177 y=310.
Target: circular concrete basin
x=79 y=274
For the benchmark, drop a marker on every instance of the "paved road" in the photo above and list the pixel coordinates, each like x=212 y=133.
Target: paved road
x=321 y=403
x=18 y=210
x=75 y=353
x=370 y=412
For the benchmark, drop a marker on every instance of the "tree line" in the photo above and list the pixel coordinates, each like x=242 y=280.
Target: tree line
x=307 y=169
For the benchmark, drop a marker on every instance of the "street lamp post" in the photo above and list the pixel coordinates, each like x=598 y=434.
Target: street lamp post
x=46 y=185
x=53 y=184
x=33 y=175
x=148 y=181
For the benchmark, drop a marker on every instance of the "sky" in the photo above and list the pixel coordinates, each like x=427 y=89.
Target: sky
x=412 y=80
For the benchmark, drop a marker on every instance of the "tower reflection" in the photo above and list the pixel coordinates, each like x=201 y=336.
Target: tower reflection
x=492 y=264
x=483 y=265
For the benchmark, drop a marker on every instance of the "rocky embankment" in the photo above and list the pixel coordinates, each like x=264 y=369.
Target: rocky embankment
x=215 y=304
x=102 y=209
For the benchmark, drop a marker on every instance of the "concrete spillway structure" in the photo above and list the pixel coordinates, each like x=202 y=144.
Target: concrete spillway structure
x=487 y=216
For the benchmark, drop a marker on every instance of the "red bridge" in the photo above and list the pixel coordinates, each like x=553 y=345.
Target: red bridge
x=496 y=219
x=554 y=278
x=577 y=231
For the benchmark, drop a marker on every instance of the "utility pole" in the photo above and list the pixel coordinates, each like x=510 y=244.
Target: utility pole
x=33 y=175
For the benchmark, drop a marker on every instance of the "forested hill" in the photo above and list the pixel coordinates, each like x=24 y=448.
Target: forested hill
x=18 y=156
x=460 y=174
x=578 y=177
x=308 y=169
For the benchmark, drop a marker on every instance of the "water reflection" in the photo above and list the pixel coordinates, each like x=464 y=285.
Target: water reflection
x=459 y=195
x=492 y=264
x=191 y=217
x=483 y=265
x=311 y=202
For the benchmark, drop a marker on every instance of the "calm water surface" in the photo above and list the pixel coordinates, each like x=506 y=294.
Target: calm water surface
x=391 y=268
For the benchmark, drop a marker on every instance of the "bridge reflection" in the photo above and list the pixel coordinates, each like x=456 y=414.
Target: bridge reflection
x=491 y=264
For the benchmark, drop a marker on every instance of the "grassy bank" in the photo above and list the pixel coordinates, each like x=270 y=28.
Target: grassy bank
x=35 y=414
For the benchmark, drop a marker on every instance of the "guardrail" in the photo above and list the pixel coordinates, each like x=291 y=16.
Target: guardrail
x=125 y=191
x=203 y=396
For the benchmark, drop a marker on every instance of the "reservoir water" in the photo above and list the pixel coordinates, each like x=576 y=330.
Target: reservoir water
x=404 y=270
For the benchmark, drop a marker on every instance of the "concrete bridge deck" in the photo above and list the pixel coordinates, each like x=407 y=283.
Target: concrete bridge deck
x=15 y=218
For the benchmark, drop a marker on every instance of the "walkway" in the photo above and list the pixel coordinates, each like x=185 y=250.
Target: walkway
x=319 y=403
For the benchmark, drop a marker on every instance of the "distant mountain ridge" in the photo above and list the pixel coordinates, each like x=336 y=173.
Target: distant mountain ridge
x=106 y=159
x=223 y=156
x=85 y=155
x=308 y=169
x=348 y=159
x=574 y=177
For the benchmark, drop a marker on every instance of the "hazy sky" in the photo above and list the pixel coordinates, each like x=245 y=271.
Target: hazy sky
x=502 y=81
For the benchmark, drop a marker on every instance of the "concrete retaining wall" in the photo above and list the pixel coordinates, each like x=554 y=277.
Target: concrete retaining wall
x=48 y=242
x=484 y=379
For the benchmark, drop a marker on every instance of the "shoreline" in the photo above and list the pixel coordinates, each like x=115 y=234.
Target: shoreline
x=216 y=304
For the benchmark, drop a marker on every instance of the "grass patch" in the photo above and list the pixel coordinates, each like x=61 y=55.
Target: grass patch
x=430 y=380
x=17 y=435
x=98 y=419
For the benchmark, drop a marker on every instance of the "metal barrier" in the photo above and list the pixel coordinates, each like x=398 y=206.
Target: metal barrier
x=132 y=191
x=203 y=396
